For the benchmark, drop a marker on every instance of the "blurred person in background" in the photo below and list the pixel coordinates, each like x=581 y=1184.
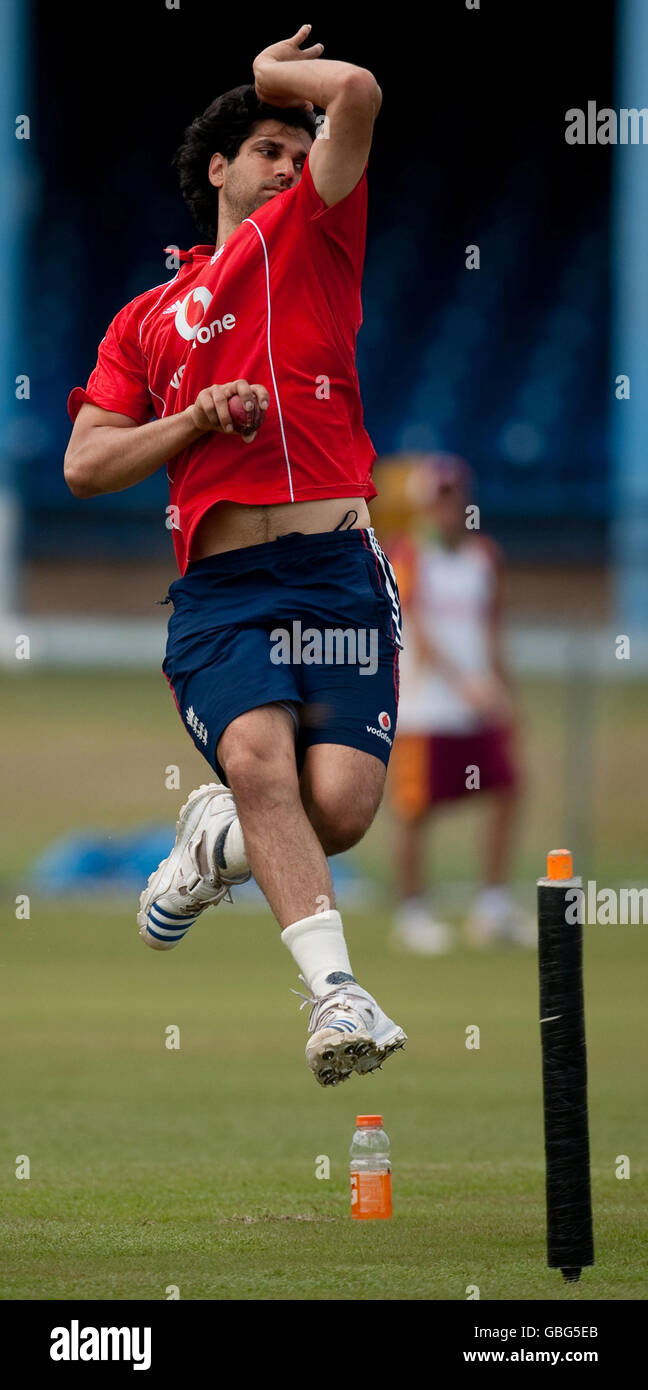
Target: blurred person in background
x=456 y=717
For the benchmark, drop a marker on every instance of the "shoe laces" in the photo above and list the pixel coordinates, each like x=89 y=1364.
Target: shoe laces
x=307 y=998
x=322 y=1011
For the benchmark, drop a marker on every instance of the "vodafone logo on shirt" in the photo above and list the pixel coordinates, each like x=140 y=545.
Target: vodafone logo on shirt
x=191 y=313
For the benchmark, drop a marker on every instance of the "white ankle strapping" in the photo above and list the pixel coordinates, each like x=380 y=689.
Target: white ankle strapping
x=317 y=945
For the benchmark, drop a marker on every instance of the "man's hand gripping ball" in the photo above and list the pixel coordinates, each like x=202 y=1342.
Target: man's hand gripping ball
x=233 y=408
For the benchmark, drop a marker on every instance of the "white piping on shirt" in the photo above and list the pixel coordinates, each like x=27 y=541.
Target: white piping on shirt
x=160 y=398
x=274 y=380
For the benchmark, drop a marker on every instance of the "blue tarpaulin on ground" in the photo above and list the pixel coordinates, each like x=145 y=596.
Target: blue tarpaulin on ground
x=100 y=862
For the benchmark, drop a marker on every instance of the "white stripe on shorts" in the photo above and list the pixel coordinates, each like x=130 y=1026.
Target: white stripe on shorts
x=390 y=585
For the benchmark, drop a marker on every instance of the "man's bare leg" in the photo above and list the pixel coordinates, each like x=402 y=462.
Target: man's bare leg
x=341 y=789
x=262 y=824
x=501 y=824
x=289 y=826
x=284 y=853
x=415 y=925
x=494 y=914
x=410 y=847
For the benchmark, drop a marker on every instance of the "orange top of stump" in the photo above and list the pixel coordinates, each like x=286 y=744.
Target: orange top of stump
x=559 y=864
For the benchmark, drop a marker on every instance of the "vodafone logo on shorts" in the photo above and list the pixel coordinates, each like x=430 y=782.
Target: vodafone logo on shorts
x=384 y=722
x=191 y=311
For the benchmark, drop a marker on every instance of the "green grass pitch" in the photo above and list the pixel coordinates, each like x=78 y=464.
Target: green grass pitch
x=196 y=1168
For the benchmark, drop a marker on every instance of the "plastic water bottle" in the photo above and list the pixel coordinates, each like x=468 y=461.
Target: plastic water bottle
x=370 y=1170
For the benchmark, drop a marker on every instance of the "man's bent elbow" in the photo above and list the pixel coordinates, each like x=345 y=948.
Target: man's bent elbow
x=362 y=84
x=77 y=479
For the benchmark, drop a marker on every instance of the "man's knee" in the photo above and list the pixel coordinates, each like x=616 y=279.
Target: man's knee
x=340 y=822
x=258 y=754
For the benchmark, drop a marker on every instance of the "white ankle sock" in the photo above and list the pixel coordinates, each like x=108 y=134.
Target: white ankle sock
x=232 y=859
x=234 y=850
x=317 y=945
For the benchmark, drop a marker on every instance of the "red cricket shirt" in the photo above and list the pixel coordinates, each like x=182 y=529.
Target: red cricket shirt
x=279 y=304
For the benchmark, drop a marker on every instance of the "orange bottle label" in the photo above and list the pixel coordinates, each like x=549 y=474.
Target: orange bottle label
x=371 y=1195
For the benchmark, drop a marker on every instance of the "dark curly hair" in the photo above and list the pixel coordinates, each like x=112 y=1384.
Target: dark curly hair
x=223 y=127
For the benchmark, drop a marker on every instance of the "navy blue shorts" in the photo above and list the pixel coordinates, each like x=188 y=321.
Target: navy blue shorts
x=309 y=621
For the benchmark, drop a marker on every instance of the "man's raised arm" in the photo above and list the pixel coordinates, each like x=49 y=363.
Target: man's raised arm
x=286 y=75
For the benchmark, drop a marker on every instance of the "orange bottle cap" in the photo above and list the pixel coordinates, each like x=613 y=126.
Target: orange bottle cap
x=367 y=1121
x=559 y=864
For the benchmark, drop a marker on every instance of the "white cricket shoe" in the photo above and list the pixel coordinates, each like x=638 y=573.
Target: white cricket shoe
x=178 y=890
x=416 y=930
x=349 y=1032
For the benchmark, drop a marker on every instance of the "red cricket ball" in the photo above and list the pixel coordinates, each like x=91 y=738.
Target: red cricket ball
x=240 y=416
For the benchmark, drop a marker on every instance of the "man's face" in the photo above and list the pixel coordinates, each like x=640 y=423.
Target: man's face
x=449 y=507
x=268 y=162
